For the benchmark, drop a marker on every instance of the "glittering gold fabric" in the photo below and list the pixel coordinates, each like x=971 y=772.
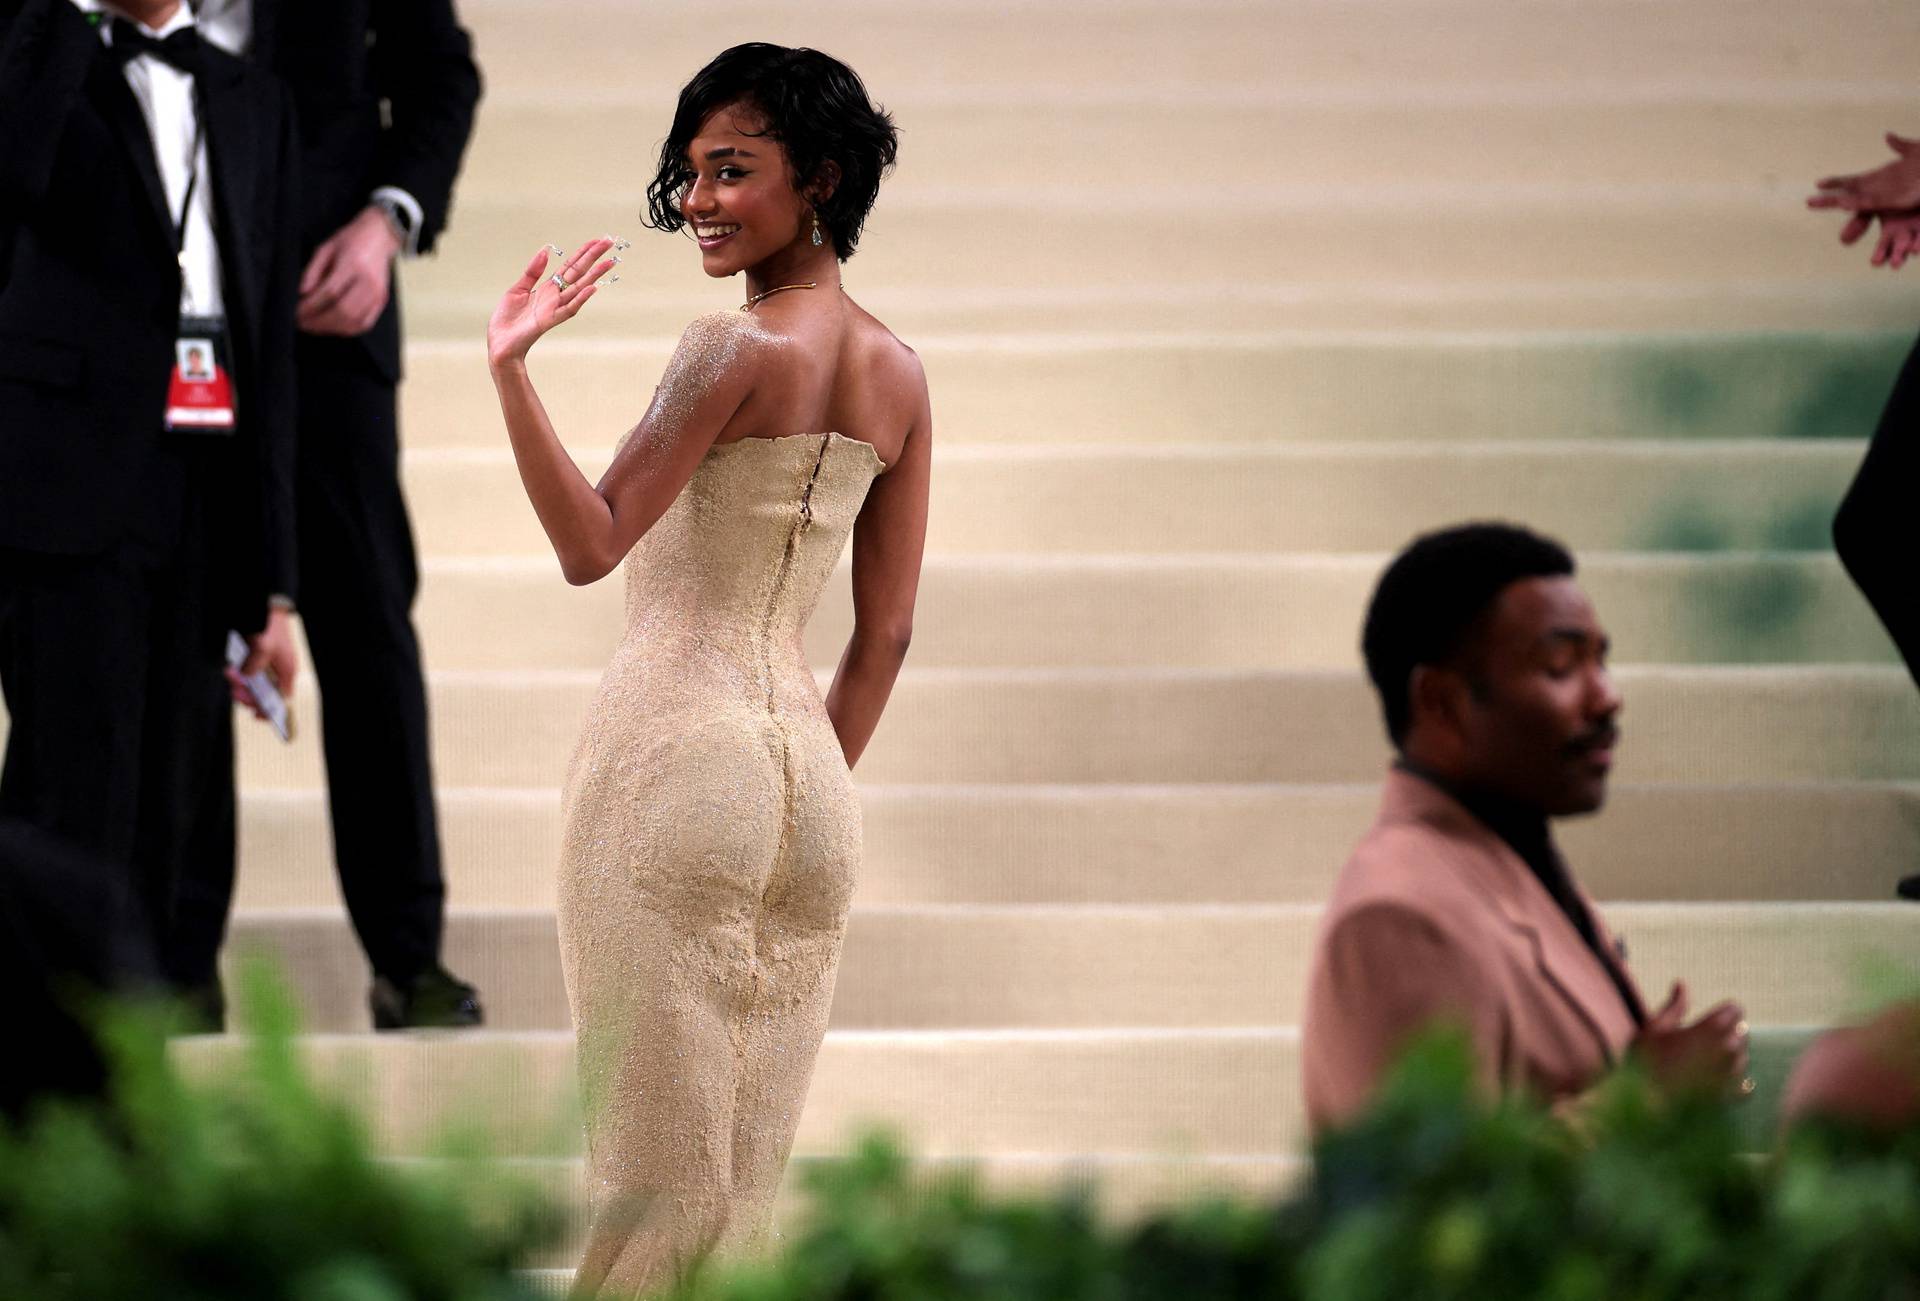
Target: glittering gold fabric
x=712 y=835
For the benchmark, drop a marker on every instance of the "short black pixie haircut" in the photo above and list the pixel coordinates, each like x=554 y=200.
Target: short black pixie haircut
x=1433 y=598
x=813 y=104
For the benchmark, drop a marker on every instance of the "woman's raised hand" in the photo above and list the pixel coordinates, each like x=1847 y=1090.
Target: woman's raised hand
x=540 y=300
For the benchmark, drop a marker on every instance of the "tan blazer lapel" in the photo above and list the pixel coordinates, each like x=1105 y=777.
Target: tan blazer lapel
x=1563 y=959
x=1517 y=897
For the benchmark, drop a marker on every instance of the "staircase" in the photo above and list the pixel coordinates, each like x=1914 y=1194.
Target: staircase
x=1220 y=302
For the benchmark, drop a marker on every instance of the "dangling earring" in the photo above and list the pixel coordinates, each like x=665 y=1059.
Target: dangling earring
x=817 y=241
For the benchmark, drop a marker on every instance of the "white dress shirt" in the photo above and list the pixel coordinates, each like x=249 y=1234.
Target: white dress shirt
x=227 y=23
x=165 y=95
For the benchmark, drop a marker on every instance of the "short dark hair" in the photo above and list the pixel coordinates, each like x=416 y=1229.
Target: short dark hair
x=814 y=105
x=1432 y=597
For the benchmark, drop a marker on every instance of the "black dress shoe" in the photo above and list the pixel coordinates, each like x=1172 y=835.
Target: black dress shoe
x=434 y=998
x=1909 y=887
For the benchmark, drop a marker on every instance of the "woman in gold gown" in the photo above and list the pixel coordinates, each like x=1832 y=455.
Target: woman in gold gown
x=712 y=830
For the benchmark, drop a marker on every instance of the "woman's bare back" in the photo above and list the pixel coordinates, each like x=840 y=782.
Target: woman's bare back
x=831 y=367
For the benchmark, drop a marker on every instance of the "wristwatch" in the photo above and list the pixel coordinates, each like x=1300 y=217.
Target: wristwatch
x=397 y=217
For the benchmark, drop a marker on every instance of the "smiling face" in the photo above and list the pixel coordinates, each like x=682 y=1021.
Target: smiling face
x=1531 y=713
x=741 y=205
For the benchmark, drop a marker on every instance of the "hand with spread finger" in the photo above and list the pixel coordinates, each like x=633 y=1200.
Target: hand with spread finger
x=540 y=300
x=1894 y=187
x=1708 y=1056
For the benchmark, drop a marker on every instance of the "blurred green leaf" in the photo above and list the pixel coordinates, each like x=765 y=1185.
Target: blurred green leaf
x=252 y=1185
x=1433 y=1195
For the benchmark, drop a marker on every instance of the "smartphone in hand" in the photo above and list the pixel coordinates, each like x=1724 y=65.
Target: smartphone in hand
x=266 y=696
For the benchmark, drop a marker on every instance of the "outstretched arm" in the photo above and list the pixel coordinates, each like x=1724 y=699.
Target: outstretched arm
x=888 y=540
x=593 y=526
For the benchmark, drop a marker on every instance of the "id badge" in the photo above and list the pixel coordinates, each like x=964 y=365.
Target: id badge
x=200 y=390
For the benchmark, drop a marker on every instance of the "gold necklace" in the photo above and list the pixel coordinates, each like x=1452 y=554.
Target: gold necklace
x=768 y=293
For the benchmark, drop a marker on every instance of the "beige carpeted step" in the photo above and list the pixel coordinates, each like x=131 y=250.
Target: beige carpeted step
x=1184 y=50
x=1039 y=965
x=1170 y=387
x=1171 y=844
x=1333 y=138
x=1196 y=497
x=551 y=1281
x=1172 y=1093
x=1318 y=94
x=1207 y=1092
x=1691 y=725
x=1725 y=244
x=1213 y=611
x=1841 y=295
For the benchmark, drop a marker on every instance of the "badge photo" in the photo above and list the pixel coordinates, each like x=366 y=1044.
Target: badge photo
x=200 y=390
x=194 y=357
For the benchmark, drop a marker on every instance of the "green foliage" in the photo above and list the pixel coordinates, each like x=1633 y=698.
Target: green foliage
x=880 y=1235
x=254 y=1186
x=259 y=1186
x=1434 y=1195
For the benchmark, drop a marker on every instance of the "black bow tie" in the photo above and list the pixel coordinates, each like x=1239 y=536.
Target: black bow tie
x=181 y=50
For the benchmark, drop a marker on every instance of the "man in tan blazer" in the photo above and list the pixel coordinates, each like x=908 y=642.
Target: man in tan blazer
x=1456 y=907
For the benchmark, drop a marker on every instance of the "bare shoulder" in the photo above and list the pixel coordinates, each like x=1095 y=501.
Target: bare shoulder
x=718 y=348
x=729 y=331
x=884 y=353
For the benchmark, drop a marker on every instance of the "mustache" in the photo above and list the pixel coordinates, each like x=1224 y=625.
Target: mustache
x=1603 y=737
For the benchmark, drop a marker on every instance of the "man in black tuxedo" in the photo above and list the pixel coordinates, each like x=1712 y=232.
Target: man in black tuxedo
x=146 y=181
x=386 y=92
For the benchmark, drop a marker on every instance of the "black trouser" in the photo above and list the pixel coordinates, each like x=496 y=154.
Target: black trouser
x=357 y=584
x=1874 y=531
x=111 y=665
x=66 y=935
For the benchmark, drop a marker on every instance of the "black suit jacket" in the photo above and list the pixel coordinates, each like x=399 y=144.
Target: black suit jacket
x=90 y=299
x=344 y=60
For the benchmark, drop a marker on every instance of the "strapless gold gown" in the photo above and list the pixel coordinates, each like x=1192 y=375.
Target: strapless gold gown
x=712 y=837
